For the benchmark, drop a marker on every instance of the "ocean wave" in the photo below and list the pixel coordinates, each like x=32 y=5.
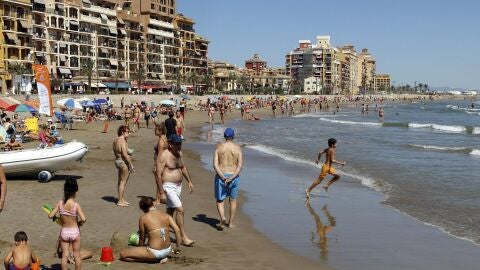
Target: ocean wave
x=472 y=113
x=444 y=128
x=441 y=148
x=351 y=122
x=454 y=107
x=305 y=115
x=475 y=152
x=376 y=185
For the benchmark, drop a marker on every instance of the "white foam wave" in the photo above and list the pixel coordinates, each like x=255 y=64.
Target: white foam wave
x=475 y=152
x=444 y=128
x=365 y=180
x=443 y=148
x=454 y=107
x=316 y=115
x=472 y=113
x=454 y=129
x=476 y=130
x=351 y=122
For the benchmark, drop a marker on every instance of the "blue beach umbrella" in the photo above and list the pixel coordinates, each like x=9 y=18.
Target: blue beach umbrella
x=100 y=101
x=88 y=103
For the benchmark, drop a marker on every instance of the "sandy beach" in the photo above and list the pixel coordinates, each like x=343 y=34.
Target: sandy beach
x=107 y=224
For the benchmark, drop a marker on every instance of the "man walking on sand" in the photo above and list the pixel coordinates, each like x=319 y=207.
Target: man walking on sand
x=123 y=162
x=3 y=188
x=170 y=172
x=327 y=167
x=227 y=162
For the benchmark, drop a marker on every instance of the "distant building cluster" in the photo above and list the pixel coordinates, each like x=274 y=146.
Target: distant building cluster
x=120 y=36
x=325 y=69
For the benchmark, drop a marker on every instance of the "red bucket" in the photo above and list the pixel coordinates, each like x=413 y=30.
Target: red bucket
x=107 y=254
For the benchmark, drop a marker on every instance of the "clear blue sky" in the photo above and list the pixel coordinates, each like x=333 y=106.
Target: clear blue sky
x=432 y=41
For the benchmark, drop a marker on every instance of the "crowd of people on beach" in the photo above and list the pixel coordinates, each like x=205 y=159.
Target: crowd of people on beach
x=169 y=172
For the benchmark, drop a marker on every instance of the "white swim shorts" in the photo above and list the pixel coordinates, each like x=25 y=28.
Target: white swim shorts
x=173 y=192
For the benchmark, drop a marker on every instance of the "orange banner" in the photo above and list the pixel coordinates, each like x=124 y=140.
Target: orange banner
x=44 y=91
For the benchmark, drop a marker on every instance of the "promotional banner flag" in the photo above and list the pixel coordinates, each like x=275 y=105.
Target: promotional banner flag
x=44 y=91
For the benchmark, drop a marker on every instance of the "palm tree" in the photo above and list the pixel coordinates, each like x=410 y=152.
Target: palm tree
x=139 y=75
x=18 y=69
x=232 y=77
x=207 y=80
x=243 y=82
x=116 y=75
x=88 y=69
x=178 y=77
x=192 y=78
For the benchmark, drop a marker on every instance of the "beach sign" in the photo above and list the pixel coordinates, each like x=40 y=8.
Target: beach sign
x=42 y=78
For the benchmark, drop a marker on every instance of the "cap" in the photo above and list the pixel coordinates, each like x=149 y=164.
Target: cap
x=49 y=120
x=175 y=138
x=229 y=133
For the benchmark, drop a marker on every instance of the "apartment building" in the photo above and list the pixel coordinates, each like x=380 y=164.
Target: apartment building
x=256 y=64
x=382 y=82
x=348 y=70
x=15 y=41
x=366 y=68
x=120 y=36
x=314 y=67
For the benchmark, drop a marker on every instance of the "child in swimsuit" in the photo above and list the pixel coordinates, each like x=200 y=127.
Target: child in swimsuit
x=21 y=255
x=72 y=216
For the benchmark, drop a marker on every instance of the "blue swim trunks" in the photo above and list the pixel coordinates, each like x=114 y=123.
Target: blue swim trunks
x=230 y=190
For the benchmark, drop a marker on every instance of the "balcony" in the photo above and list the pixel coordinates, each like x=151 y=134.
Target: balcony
x=161 y=24
x=90 y=19
x=160 y=33
x=101 y=10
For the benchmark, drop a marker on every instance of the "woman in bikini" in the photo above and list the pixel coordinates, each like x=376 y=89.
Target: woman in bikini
x=156 y=224
x=162 y=144
x=71 y=217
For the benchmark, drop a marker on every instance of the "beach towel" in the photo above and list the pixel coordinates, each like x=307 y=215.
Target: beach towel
x=31 y=124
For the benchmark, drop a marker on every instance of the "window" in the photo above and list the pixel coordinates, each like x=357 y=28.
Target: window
x=152 y=6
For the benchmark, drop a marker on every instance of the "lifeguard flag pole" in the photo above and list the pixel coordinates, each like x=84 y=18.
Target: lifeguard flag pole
x=44 y=91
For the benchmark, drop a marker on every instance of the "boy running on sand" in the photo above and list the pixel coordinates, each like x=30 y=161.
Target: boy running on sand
x=21 y=255
x=327 y=167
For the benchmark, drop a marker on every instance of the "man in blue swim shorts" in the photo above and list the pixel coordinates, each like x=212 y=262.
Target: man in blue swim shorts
x=227 y=162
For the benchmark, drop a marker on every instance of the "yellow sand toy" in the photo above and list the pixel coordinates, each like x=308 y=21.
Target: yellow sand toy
x=49 y=208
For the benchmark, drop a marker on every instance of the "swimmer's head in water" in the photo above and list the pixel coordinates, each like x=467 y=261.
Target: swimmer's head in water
x=229 y=133
x=332 y=142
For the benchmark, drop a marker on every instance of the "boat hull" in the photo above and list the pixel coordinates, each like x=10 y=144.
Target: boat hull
x=31 y=162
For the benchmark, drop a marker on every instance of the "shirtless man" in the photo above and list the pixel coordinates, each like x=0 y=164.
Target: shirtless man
x=136 y=118
x=170 y=172
x=127 y=115
x=327 y=167
x=3 y=188
x=180 y=123
x=123 y=162
x=227 y=162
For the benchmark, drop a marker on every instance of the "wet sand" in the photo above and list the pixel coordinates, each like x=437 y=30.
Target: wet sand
x=239 y=248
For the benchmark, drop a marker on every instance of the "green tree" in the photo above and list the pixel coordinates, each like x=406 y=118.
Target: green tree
x=243 y=81
x=232 y=77
x=207 y=80
x=192 y=78
x=116 y=75
x=139 y=76
x=18 y=69
x=88 y=69
x=55 y=83
x=179 y=78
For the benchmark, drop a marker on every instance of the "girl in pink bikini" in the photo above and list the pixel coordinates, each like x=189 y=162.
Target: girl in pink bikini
x=71 y=217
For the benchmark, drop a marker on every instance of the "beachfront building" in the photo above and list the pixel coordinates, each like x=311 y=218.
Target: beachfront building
x=225 y=76
x=366 y=69
x=348 y=70
x=314 y=67
x=256 y=64
x=15 y=45
x=126 y=40
x=382 y=82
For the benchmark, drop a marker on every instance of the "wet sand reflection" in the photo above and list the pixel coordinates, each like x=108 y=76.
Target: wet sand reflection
x=322 y=229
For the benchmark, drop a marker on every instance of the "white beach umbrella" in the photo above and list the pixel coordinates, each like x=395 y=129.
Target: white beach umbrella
x=70 y=103
x=167 y=102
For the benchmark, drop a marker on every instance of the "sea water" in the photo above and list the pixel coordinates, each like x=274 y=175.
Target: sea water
x=423 y=160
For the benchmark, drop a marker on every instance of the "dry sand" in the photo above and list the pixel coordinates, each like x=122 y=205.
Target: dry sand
x=240 y=248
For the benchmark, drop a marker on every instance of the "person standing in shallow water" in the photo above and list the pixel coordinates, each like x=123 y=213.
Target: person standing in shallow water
x=227 y=162
x=327 y=167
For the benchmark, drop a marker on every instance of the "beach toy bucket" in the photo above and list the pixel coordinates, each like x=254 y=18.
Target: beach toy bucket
x=36 y=265
x=133 y=239
x=107 y=254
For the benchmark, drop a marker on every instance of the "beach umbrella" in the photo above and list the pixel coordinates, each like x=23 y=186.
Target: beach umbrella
x=100 y=101
x=167 y=102
x=21 y=108
x=185 y=97
x=4 y=104
x=33 y=102
x=70 y=103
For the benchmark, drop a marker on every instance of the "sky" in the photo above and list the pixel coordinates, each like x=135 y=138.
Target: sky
x=425 y=41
